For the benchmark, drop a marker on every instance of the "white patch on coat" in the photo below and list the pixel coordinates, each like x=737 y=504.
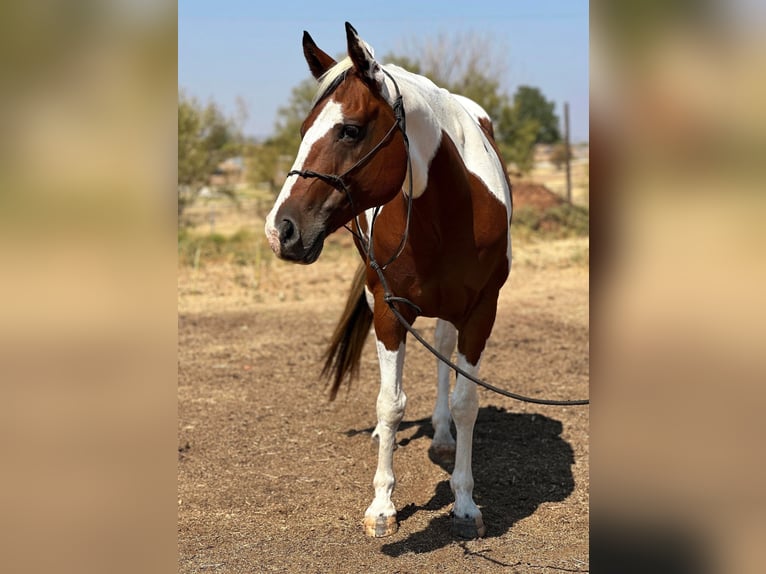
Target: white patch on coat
x=487 y=162
x=429 y=110
x=423 y=129
x=368 y=215
x=480 y=157
x=390 y=410
x=472 y=108
x=370 y=298
x=464 y=407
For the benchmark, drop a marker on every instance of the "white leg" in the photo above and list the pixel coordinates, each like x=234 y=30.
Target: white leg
x=380 y=517
x=443 y=445
x=467 y=520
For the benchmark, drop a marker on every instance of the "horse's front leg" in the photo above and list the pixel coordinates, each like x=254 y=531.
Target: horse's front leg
x=380 y=517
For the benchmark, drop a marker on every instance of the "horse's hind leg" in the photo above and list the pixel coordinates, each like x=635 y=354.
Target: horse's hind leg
x=442 y=448
x=467 y=521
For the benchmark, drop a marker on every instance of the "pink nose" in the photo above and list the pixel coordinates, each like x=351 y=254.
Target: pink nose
x=272 y=235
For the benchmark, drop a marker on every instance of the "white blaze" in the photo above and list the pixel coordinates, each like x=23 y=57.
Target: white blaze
x=327 y=118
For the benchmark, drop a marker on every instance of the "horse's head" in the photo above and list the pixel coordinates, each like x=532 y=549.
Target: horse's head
x=350 y=158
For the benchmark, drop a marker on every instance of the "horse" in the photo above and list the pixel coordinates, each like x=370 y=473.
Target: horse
x=429 y=195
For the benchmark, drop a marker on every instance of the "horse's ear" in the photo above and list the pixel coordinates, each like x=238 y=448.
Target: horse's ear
x=318 y=61
x=362 y=56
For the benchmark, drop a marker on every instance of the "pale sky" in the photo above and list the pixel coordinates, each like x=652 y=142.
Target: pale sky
x=231 y=48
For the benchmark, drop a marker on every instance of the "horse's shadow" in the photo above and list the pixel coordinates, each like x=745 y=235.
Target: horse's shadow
x=519 y=462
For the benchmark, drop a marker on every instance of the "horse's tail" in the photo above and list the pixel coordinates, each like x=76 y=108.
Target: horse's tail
x=345 y=350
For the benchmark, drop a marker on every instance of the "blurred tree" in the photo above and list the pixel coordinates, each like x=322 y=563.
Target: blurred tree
x=516 y=138
x=263 y=165
x=266 y=159
x=206 y=137
x=532 y=105
x=559 y=155
x=287 y=136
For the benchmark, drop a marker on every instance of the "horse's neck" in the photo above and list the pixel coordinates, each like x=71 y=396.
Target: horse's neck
x=432 y=113
x=429 y=112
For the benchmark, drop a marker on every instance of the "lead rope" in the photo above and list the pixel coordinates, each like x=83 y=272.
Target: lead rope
x=367 y=245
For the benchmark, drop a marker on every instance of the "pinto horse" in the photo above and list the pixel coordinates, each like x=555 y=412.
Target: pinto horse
x=428 y=196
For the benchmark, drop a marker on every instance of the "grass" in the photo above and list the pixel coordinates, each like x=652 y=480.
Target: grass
x=248 y=246
x=559 y=222
x=242 y=248
x=245 y=247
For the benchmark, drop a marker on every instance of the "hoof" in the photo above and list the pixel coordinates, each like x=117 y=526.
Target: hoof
x=468 y=528
x=442 y=454
x=380 y=526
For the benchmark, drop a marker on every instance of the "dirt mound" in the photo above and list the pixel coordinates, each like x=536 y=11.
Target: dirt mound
x=534 y=196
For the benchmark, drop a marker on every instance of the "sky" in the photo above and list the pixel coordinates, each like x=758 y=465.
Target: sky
x=252 y=50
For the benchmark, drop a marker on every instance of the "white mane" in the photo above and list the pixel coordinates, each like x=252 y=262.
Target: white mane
x=330 y=77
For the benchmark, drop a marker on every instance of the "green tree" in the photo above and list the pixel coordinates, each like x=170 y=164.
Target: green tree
x=206 y=137
x=516 y=138
x=532 y=105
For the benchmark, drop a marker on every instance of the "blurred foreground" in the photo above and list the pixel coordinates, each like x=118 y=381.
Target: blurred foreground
x=88 y=316
x=678 y=203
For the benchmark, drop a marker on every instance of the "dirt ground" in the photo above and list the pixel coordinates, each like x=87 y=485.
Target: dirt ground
x=274 y=478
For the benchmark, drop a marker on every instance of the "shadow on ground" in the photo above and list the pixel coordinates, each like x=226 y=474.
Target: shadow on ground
x=519 y=462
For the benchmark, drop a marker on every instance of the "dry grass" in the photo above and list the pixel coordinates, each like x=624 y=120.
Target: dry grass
x=555 y=179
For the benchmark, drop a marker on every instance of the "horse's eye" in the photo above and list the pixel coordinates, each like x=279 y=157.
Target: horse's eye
x=350 y=132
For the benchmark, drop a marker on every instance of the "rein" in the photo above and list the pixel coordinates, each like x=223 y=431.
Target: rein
x=337 y=181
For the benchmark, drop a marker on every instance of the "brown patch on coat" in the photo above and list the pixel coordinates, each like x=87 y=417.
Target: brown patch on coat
x=454 y=263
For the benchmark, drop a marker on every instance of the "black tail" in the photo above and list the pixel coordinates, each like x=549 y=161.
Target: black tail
x=345 y=350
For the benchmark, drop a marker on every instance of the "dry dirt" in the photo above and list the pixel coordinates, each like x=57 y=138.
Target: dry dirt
x=534 y=195
x=274 y=478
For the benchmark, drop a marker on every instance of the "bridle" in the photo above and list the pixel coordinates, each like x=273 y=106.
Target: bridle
x=338 y=182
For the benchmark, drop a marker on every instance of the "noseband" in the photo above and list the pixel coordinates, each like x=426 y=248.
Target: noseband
x=338 y=182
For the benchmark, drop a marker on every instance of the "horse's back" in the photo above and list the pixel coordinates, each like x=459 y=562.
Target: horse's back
x=478 y=113
x=480 y=152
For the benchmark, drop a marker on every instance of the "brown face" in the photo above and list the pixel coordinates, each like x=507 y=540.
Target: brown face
x=338 y=132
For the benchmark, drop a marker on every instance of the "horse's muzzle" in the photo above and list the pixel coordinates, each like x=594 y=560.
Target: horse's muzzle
x=287 y=242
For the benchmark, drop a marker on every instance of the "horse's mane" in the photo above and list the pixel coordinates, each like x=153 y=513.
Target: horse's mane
x=331 y=79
